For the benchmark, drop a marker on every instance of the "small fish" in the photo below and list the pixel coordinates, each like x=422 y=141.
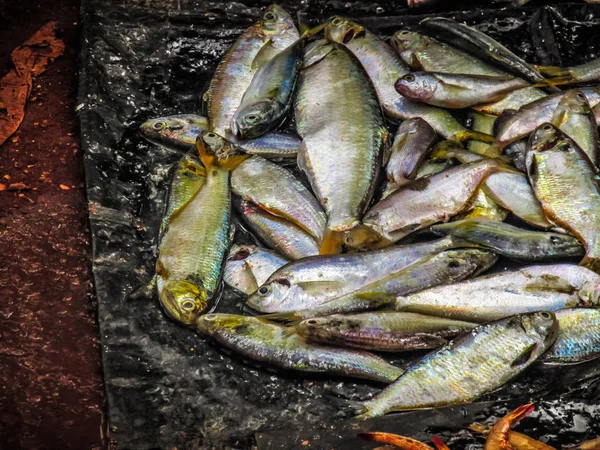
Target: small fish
x=469 y=366
x=278 y=346
x=424 y=202
x=578 y=338
x=412 y=143
x=504 y=294
x=448 y=90
x=268 y=98
x=387 y=331
x=273 y=33
x=280 y=193
x=384 y=67
x=277 y=233
x=575 y=118
x=341 y=124
x=512 y=101
x=517 y=440
x=192 y=250
x=589 y=71
x=313 y=281
x=513 y=242
x=247 y=267
x=499 y=436
x=566 y=183
x=179 y=132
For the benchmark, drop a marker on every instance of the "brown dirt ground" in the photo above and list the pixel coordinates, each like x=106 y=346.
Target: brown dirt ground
x=51 y=393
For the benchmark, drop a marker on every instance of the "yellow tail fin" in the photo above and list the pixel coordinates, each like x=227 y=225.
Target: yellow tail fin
x=474 y=135
x=553 y=71
x=332 y=242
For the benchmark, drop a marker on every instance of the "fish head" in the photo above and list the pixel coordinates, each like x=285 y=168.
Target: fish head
x=183 y=301
x=590 y=293
x=342 y=30
x=325 y=327
x=254 y=120
x=271 y=296
x=563 y=244
x=417 y=85
x=545 y=138
x=211 y=324
x=178 y=131
x=574 y=101
x=409 y=41
x=237 y=272
x=541 y=325
x=215 y=150
x=277 y=21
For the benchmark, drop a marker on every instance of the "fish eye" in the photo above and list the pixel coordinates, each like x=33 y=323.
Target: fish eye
x=210 y=135
x=547 y=127
x=312 y=322
x=554 y=239
x=264 y=291
x=159 y=125
x=404 y=33
x=409 y=77
x=270 y=16
x=545 y=315
x=251 y=118
x=336 y=21
x=210 y=317
x=188 y=305
x=580 y=96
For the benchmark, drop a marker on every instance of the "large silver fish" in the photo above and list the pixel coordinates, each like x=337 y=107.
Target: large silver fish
x=341 y=125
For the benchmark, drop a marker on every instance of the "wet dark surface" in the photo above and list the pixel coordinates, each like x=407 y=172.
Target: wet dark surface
x=51 y=391
x=169 y=388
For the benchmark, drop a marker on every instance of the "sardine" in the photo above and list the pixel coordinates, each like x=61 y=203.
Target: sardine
x=566 y=183
x=278 y=346
x=513 y=242
x=247 y=267
x=192 y=250
x=315 y=280
x=512 y=101
x=575 y=118
x=448 y=90
x=269 y=96
x=578 y=337
x=273 y=33
x=387 y=331
x=385 y=67
x=340 y=122
x=501 y=295
x=277 y=233
x=179 y=133
x=470 y=365
x=280 y=193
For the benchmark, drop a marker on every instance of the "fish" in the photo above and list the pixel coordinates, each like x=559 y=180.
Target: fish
x=483 y=207
x=384 y=67
x=277 y=233
x=513 y=242
x=248 y=266
x=508 y=188
x=427 y=168
x=499 y=436
x=387 y=331
x=583 y=73
x=411 y=145
x=268 y=98
x=485 y=124
x=273 y=33
x=188 y=178
x=468 y=366
x=272 y=344
x=575 y=118
x=315 y=280
x=395 y=440
x=340 y=121
x=512 y=101
x=448 y=90
x=578 y=338
x=474 y=41
x=279 y=193
x=192 y=250
x=424 y=202
x=517 y=440
x=531 y=116
x=446 y=267
x=566 y=183
x=492 y=297
x=179 y=133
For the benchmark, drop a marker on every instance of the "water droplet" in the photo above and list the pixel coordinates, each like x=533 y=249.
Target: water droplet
x=379 y=10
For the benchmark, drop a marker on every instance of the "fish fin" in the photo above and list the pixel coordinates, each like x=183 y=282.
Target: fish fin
x=145 y=291
x=439 y=444
x=557 y=81
x=525 y=356
x=287 y=317
x=432 y=340
x=332 y=242
x=264 y=55
x=480 y=428
x=402 y=442
x=466 y=135
x=494 y=150
x=552 y=71
x=306 y=32
x=591 y=263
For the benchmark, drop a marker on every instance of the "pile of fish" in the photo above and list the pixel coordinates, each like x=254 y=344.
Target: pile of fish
x=372 y=242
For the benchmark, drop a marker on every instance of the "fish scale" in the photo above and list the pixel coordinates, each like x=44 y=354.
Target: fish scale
x=578 y=337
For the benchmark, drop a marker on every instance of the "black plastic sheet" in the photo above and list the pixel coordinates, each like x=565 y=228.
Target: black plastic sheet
x=168 y=387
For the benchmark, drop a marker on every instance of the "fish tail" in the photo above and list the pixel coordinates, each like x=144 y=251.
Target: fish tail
x=466 y=135
x=554 y=71
x=145 y=291
x=439 y=444
x=287 y=317
x=592 y=263
x=332 y=242
x=556 y=81
x=494 y=150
